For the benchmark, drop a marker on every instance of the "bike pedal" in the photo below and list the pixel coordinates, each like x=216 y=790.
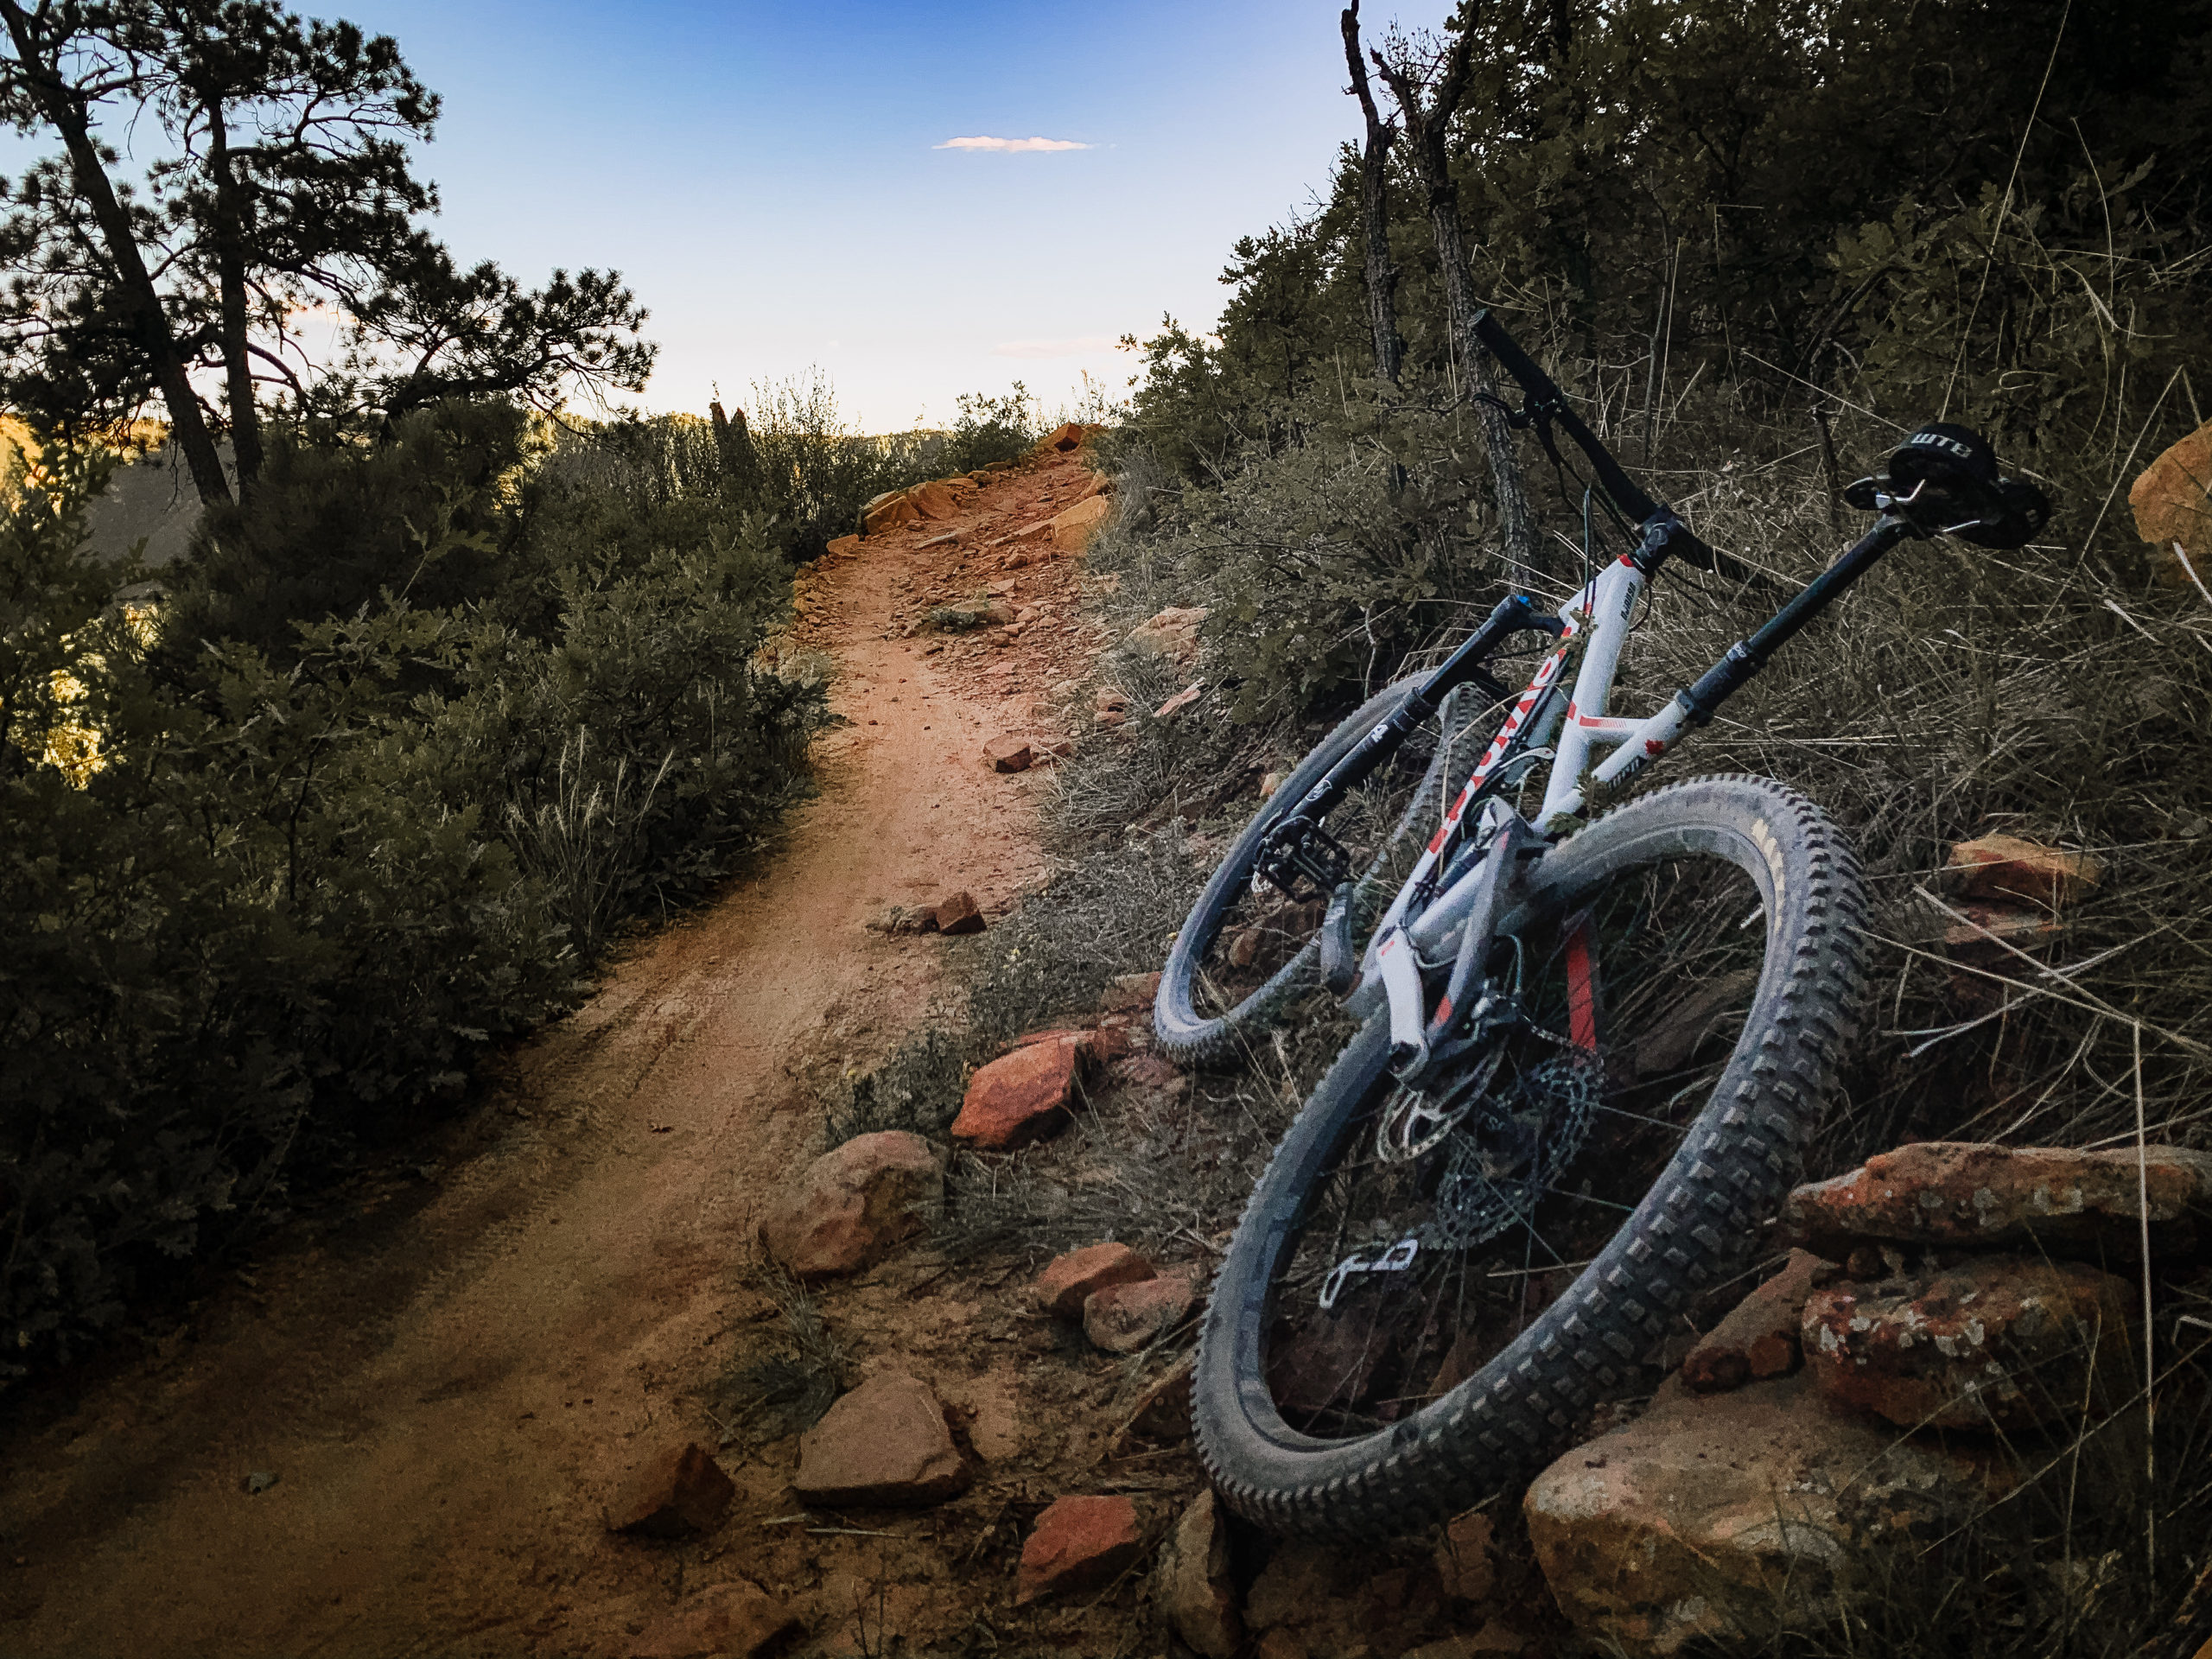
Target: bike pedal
x=1339 y=967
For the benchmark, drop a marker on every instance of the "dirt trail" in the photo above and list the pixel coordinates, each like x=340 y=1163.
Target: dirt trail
x=447 y=1382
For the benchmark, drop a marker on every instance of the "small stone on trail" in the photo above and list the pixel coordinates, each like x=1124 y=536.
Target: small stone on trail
x=1191 y=1586
x=259 y=1482
x=1078 y=1544
x=676 y=1492
x=735 y=1620
x=958 y=914
x=1067 y=437
x=1019 y=1098
x=1271 y=782
x=1123 y=1318
x=1073 y=529
x=1758 y=1337
x=883 y=1445
x=854 y=1204
x=1007 y=754
x=1073 y=1278
x=2002 y=1342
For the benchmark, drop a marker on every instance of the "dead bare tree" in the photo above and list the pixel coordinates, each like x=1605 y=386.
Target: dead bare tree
x=1426 y=118
x=1374 y=210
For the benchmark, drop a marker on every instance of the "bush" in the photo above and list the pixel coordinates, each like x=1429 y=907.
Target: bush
x=270 y=879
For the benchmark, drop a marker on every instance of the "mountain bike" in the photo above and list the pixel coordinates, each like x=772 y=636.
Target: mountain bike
x=1592 y=1043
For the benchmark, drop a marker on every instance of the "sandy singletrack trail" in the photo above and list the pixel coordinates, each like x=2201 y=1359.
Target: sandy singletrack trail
x=447 y=1381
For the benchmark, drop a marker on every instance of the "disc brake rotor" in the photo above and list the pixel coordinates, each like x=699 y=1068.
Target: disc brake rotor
x=1505 y=1157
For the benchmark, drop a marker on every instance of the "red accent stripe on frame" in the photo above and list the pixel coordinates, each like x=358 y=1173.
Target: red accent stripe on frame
x=1581 y=998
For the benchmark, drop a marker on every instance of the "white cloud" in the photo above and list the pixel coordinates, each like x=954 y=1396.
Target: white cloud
x=1011 y=144
x=1081 y=346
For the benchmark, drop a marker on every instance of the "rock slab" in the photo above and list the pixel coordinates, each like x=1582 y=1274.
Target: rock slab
x=1955 y=1193
x=1021 y=1096
x=1073 y=1278
x=1191 y=1586
x=723 y=1621
x=1073 y=529
x=1009 y=754
x=2009 y=867
x=673 y=1494
x=1124 y=1318
x=1758 y=1338
x=1079 y=1544
x=884 y=1445
x=1650 y=1534
x=2003 y=1342
x=854 y=1204
x=958 y=914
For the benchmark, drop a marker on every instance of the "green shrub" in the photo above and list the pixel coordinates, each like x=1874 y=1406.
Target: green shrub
x=266 y=882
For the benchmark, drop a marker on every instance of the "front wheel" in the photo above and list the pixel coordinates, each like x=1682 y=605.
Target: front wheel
x=1429 y=1292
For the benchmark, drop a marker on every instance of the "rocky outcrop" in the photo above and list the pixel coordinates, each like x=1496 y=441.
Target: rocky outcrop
x=1952 y=1194
x=1653 y=1534
x=1192 y=1587
x=884 y=1445
x=2008 y=1343
x=1758 y=1339
x=673 y=1494
x=956 y=915
x=854 y=1204
x=1078 y=1543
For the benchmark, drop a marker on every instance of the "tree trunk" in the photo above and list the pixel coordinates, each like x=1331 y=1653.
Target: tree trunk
x=1426 y=126
x=1375 y=213
x=229 y=274
x=60 y=106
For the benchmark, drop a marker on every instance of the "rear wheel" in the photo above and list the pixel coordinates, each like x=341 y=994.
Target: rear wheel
x=1243 y=955
x=1429 y=1292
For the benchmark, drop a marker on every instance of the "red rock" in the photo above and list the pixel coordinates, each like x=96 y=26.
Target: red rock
x=1110 y=700
x=1152 y=1071
x=723 y=1621
x=854 y=1204
x=1949 y=1193
x=1173 y=633
x=958 y=914
x=1007 y=754
x=934 y=500
x=1130 y=993
x=1123 y=1318
x=1072 y=1279
x=1163 y=1411
x=1078 y=1544
x=1191 y=1586
x=2173 y=503
x=1182 y=699
x=1463 y=1558
x=883 y=1445
x=1758 y=1337
x=1995 y=867
x=1019 y=1098
x=1072 y=530
x=888 y=515
x=2006 y=1342
x=841 y=546
x=677 y=1492
x=1707 y=1510
x=1066 y=438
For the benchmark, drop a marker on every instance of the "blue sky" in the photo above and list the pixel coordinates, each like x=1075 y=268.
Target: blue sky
x=766 y=176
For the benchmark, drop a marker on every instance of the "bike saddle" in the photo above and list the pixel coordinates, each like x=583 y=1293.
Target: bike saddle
x=1945 y=477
